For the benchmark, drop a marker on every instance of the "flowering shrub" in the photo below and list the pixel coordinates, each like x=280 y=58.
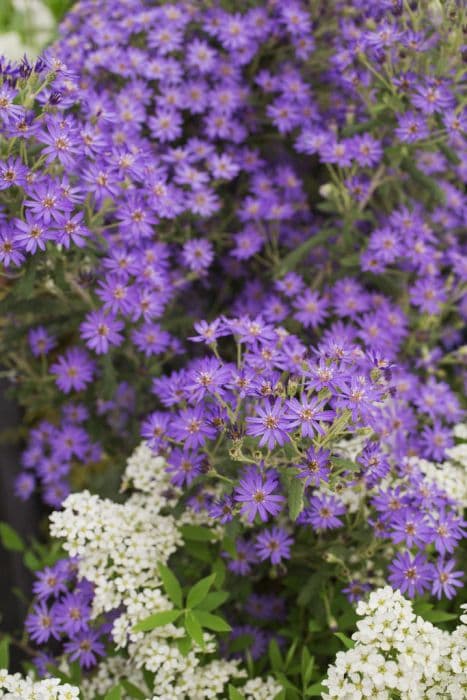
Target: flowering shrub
x=236 y=233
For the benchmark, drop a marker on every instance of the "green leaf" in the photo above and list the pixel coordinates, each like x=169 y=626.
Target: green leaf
x=31 y=561
x=315 y=690
x=295 y=497
x=307 y=666
x=199 y=591
x=297 y=254
x=197 y=533
x=240 y=643
x=439 y=616
x=159 y=619
x=5 y=652
x=132 y=690
x=10 y=538
x=171 y=585
x=194 y=628
x=275 y=657
x=184 y=645
x=114 y=693
x=213 y=600
x=234 y=694
x=211 y=622
x=346 y=641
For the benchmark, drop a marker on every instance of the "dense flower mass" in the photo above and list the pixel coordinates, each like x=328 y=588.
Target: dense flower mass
x=236 y=231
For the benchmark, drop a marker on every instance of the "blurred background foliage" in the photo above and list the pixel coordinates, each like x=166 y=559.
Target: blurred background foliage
x=26 y=26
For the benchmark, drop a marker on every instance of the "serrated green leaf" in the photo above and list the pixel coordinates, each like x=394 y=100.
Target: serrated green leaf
x=199 y=591
x=10 y=538
x=295 y=497
x=211 y=622
x=171 y=585
x=346 y=641
x=165 y=617
x=194 y=628
x=213 y=600
x=5 y=652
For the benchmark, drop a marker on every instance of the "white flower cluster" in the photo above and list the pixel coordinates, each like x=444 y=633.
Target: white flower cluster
x=399 y=653
x=119 y=549
x=16 y=687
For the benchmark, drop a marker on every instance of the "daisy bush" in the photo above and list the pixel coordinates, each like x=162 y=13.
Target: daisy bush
x=233 y=294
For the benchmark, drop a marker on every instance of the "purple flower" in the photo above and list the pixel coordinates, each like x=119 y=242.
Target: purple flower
x=223 y=510
x=412 y=127
x=85 y=648
x=208 y=376
x=72 y=614
x=257 y=493
x=40 y=341
x=13 y=172
x=445 y=580
x=9 y=110
x=448 y=530
x=323 y=512
x=355 y=590
x=10 y=247
x=436 y=440
x=310 y=309
x=41 y=623
x=316 y=467
x=51 y=581
x=184 y=466
x=101 y=330
x=269 y=423
x=73 y=370
x=198 y=255
x=306 y=414
x=412 y=574
x=191 y=427
x=155 y=429
x=408 y=526
x=24 y=486
x=31 y=233
x=274 y=544
x=243 y=557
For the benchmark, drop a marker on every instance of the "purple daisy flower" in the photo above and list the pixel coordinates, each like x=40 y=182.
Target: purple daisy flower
x=445 y=580
x=306 y=414
x=257 y=493
x=101 y=330
x=85 y=648
x=316 y=467
x=323 y=512
x=274 y=544
x=73 y=370
x=411 y=574
x=41 y=623
x=269 y=424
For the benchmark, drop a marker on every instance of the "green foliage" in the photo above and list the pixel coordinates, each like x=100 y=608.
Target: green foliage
x=10 y=538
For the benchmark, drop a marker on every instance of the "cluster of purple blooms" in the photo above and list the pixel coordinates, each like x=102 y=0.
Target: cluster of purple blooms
x=62 y=614
x=170 y=152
